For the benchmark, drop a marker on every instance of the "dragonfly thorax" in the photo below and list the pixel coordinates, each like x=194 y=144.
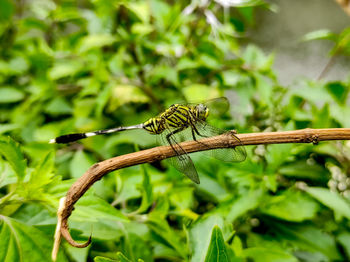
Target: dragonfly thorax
x=176 y=117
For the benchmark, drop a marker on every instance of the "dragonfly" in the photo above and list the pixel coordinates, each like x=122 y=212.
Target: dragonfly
x=178 y=123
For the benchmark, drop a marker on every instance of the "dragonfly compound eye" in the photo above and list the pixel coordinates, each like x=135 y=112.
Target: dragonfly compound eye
x=202 y=111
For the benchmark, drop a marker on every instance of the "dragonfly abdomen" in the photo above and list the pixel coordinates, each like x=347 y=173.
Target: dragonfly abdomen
x=154 y=125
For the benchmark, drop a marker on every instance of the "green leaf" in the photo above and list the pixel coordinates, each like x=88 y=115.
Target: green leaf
x=291 y=206
x=264 y=86
x=231 y=77
x=161 y=11
x=7 y=174
x=122 y=258
x=182 y=198
x=116 y=62
x=163 y=72
x=255 y=59
x=200 y=236
x=277 y=154
x=129 y=186
x=167 y=234
x=321 y=117
x=199 y=92
x=10 y=95
x=18 y=65
x=102 y=100
x=307 y=238
x=80 y=163
x=94 y=216
x=35 y=214
x=45 y=133
x=237 y=246
x=136 y=244
x=319 y=34
x=141 y=9
x=186 y=63
x=330 y=199
x=58 y=106
x=76 y=254
x=212 y=188
x=147 y=194
x=319 y=94
x=42 y=174
x=344 y=239
x=8 y=127
x=95 y=41
x=104 y=259
x=244 y=204
x=342 y=43
x=301 y=169
x=339 y=114
x=67 y=69
x=262 y=254
x=6 y=10
x=209 y=61
x=217 y=249
x=338 y=90
x=122 y=94
x=142 y=29
x=13 y=154
x=91 y=208
x=20 y=242
x=161 y=209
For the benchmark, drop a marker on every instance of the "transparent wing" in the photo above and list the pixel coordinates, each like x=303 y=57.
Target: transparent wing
x=236 y=154
x=182 y=162
x=217 y=106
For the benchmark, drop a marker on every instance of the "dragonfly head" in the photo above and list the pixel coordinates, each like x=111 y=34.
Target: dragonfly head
x=202 y=111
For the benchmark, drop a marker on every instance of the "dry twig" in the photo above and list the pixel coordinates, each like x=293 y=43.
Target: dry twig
x=98 y=170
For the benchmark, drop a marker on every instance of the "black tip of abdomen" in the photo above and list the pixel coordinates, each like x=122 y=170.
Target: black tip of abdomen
x=69 y=138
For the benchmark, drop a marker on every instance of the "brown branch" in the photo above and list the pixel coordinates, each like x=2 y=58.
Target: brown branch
x=98 y=170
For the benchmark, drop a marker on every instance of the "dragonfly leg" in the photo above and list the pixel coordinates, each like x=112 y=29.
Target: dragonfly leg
x=193 y=135
x=197 y=132
x=194 y=132
x=168 y=136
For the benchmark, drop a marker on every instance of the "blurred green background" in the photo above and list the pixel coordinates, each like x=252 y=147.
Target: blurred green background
x=77 y=66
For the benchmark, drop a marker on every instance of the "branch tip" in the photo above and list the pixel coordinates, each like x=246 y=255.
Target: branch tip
x=65 y=233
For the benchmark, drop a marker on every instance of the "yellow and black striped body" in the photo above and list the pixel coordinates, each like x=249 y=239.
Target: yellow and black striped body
x=169 y=126
x=176 y=116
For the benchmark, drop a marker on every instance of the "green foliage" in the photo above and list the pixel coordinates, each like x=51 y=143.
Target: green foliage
x=341 y=41
x=18 y=240
x=217 y=250
x=74 y=68
x=12 y=153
